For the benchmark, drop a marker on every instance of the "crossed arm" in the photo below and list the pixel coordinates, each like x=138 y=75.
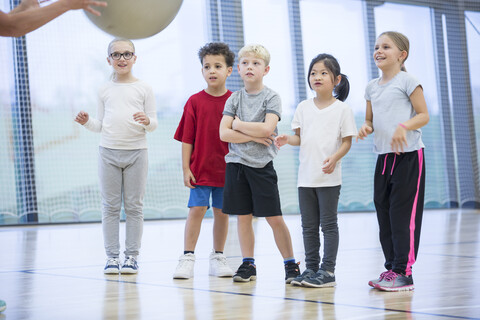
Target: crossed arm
x=236 y=131
x=29 y=16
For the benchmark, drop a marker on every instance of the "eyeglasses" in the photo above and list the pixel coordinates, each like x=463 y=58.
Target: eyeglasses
x=126 y=55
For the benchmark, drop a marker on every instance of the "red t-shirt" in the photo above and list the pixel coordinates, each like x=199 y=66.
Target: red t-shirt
x=199 y=126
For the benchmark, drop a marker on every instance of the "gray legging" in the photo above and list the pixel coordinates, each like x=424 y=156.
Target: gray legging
x=318 y=207
x=122 y=172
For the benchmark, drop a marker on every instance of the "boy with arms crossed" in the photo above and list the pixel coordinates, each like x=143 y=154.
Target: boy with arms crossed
x=249 y=124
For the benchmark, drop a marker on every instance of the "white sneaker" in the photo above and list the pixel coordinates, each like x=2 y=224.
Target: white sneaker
x=184 y=270
x=219 y=266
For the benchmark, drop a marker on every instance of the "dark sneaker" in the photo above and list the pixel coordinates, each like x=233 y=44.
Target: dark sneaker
x=373 y=282
x=112 y=266
x=306 y=274
x=321 y=279
x=246 y=272
x=395 y=282
x=292 y=270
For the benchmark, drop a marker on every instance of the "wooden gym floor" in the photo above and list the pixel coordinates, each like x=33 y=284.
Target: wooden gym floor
x=55 y=272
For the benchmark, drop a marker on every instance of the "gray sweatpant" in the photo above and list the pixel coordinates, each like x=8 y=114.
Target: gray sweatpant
x=122 y=173
x=318 y=208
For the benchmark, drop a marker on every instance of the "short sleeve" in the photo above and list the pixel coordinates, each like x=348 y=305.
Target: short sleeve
x=348 y=126
x=411 y=83
x=297 y=118
x=368 y=91
x=186 y=128
x=231 y=105
x=274 y=105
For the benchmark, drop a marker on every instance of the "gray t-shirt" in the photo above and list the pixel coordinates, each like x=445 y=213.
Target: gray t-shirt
x=252 y=108
x=390 y=106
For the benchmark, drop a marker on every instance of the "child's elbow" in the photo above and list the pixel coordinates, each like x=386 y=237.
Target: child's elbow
x=223 y=135
x=427 y=118
x=268 y=132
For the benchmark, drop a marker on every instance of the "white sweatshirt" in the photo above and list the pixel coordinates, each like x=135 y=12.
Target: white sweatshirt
x=118 y=102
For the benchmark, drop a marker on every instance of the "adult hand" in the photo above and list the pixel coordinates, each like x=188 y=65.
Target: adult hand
x=85 y=5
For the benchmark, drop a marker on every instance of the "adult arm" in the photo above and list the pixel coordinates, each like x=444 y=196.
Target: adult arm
x=29 y=16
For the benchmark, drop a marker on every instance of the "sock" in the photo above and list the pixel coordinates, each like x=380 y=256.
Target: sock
x=218 y=251
x=289 y=260
x=185 y=252
x=249 y=260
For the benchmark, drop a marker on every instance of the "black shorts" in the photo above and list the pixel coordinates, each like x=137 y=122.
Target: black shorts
x=251 y=191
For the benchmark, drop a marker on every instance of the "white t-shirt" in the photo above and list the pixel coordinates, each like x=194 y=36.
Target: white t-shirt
x=118 y=102
x=321 y=133
x=390 y=106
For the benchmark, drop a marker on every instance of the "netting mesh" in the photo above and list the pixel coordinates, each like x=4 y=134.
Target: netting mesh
x=66 y=64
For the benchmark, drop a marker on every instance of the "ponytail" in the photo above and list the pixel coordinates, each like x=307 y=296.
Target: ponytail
x=342 y=88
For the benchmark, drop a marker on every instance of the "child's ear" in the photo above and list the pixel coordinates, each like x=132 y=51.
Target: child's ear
x=267 y=69
x=229 y=71
x=339 y=79
x=108 y=60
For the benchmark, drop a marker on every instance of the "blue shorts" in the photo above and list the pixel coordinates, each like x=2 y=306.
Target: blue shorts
x=200 y=197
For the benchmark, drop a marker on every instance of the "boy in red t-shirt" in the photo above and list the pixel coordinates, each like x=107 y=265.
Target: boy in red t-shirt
x=203 y=159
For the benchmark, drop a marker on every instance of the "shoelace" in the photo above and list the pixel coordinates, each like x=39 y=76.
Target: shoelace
x=383 y=274
x=221 y=259
x=291 y=266
x=113 y=262
x=244 y=266
x=130 y=262
x=183 y=261
x=390 y=275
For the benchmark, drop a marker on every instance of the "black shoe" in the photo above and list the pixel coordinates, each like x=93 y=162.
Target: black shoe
x=246 y=272
x=292 y=270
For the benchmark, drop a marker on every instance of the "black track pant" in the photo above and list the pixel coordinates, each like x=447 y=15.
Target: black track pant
x=399 y=189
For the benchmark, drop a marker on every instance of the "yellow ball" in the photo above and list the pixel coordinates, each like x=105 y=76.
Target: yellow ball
x=135 y=19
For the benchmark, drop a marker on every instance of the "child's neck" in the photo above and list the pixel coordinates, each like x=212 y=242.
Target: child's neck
x=124 y=78
x=254 y=88
x=216 y=92
x=321 y=102
x=388 y=74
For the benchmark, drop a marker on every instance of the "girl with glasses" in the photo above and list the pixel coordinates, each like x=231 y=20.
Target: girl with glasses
x=123 y=158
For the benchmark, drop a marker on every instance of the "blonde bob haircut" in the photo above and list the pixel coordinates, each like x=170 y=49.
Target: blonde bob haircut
x=257 y=50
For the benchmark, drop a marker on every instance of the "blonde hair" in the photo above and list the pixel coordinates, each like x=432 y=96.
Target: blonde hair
x=120 y=40
x=401 y=41
x=257 y=50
